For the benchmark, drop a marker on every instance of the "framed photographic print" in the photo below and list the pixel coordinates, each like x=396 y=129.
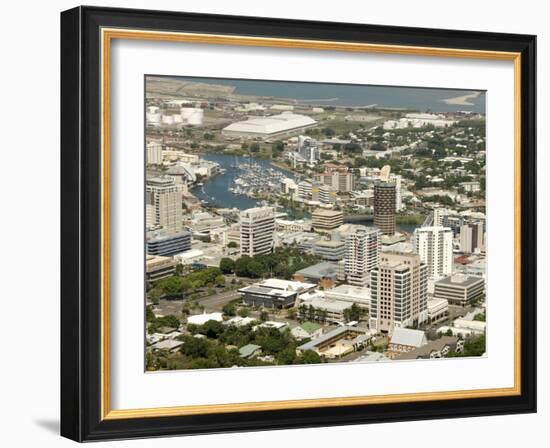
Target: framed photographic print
x=276 y=224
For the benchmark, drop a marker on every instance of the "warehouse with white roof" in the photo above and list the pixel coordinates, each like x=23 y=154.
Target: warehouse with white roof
x=273 y=126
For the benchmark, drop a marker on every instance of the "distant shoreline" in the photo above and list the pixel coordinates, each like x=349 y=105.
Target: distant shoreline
x=462 y=100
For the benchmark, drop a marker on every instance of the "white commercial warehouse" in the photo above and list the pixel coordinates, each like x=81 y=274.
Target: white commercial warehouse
x=273 y=126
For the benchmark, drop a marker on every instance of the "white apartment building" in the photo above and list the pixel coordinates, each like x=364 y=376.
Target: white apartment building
x=396 y=179
x=362 y=255
x=257 y=230
x=288 y=186
x=304 y=190
x=434 y=245
x=399 y=292
x=154 y=153
x=163 y=205
x=307 y=148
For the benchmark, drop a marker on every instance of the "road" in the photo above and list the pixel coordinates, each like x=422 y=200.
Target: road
x=217 y=301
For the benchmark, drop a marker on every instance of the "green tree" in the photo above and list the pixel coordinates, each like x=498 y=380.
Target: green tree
x=232 y=244
x=264 y=315
x=286 y=356
x=195 y=347
x=229 y=309
x=241 y=266
x=227 y=265
x=244 y=312
x=220 y=280
x=255 y=269
x=155 y=295
x=171 y=286
x=310 y=357
x=211 y=329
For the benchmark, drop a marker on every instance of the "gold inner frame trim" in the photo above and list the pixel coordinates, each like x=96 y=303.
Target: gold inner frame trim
x=107 y=35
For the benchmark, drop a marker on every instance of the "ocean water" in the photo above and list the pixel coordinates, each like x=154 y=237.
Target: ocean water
x=418 y=98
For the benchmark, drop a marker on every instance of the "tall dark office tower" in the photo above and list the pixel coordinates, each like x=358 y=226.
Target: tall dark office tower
x=384 y=207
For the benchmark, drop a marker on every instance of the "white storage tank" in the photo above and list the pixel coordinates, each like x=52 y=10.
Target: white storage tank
x=192 y=115
x=168 y=119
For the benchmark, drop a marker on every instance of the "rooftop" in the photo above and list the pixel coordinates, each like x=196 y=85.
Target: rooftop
x=459 y=280
x=327 y=212
x=338 y=331
x=200 y=319
x=432 y=346
x=248 y=350
x=319 y=270
x=310 y=327
x=167 y=344
x=406 y=336
x=271 y=125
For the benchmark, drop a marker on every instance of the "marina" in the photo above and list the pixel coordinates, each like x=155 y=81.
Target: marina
x=240 y=180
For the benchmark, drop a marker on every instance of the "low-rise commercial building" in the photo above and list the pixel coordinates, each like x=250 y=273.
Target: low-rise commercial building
x=287 y=225
x=268 y=127
x=324 y=274
x=324 y=220
x=330 y=250
x=318 y=307
x=348 y=293
x=473 y=326
x=159 y=243
x=158 y=267
x=274 y=293
x=459 y=289
x=438 y=310
x=338 y=342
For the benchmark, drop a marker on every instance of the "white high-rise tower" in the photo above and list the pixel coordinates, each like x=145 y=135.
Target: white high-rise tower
x=362 y=255
x=434 y=245
x=257 y=227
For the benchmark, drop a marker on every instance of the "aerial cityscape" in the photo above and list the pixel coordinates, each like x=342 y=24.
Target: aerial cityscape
x=305 y=223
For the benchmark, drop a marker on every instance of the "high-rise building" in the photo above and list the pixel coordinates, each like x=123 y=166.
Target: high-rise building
x=434 y=245
x=339 y=180
x=326 y=219
x=439 y=214
x=163 y=204
x=327 y=194
x=471 y=237
x=305 y=190
x=322 y=193
x=307 y=148
x=287 y=185
x=384 y=207
x=154 y=153
x=362 y=255
x=257 y=229
x=396 y=179
x=399 y=292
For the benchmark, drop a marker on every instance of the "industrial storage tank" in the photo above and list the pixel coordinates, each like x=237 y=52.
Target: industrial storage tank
x=192 y=115
x=168 y=119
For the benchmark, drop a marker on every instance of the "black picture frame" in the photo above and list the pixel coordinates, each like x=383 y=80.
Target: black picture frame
x=81 y=224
